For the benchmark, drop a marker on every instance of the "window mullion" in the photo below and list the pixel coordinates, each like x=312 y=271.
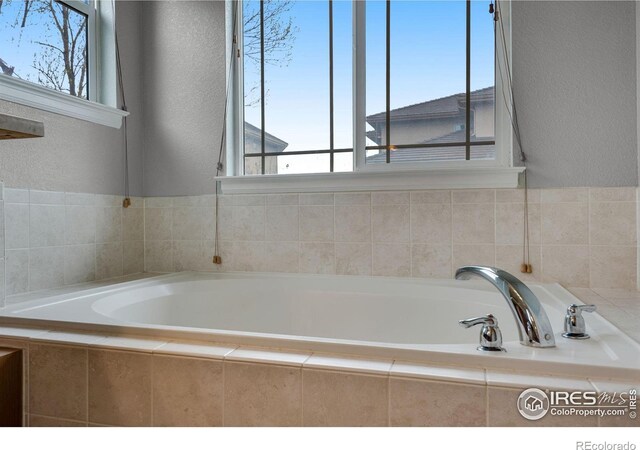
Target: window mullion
x=388 y=85
x=359 y=84
x=262 y=108
x=331 y=129
x=468 y=87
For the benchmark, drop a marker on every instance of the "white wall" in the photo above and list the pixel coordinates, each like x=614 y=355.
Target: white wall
x=574 y=69
x=184 y=88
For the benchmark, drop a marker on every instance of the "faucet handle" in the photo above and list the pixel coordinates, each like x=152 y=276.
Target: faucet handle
x=574 y=325
x=490 y=334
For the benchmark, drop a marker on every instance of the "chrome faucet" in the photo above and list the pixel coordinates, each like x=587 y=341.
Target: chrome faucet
x=533 y=324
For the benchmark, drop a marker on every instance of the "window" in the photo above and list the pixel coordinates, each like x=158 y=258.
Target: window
x=59 y=56
x=416 y=89
x=50 y=43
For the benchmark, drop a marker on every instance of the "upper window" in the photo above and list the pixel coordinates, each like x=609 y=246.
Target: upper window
x=415 y=88
x=50 y=43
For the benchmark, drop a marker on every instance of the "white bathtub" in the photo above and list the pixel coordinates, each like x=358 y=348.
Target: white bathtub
x=386 y=317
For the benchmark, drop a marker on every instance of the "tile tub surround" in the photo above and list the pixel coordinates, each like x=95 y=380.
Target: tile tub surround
x=580 y=237
x=92 y=380
x=55 y=239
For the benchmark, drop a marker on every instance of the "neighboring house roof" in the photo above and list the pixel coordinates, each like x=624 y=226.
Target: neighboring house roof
x=272 y=143
x=441 y=107
x=438 y=153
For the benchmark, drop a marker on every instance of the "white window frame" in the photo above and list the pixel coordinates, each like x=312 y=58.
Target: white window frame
x=498 y=173
x=100 y=107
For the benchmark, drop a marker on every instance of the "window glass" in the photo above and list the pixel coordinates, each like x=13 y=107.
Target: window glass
x=298 y=83
x=45 y=42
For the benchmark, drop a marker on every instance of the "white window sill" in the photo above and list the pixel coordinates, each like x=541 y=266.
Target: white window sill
x=30 y=94
x=440 y=178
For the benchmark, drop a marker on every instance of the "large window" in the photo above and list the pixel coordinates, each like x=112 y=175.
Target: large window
x=423 y=72
x=50 y=43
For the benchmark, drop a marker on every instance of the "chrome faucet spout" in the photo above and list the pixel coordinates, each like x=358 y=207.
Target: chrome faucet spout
x=534 y=328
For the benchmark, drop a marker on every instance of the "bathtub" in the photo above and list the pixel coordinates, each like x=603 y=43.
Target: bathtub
x=410 y=319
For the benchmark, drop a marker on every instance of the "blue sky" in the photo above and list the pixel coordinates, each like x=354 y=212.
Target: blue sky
x=18 y=46
x=428 y=62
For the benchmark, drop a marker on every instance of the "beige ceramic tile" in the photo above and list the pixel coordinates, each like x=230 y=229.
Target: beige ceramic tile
x=349 y=364
x=343 y=399
x=248 y=256
x=473 y=255
x=158 y=224
x=46 y=268
x=431 y=223
x=282 y=223
x=565 y=223
x=316 y=199
x=108 y=224
x=68 y=338
x=353 y=223
x=353 y=259
x=405 y=369
x=510 y=223
x=43 y=421
x=564 y=195
x=433 y=196
x=317 y=257
x=248 y=223
x=187 y=392
x=473 y=224
x=390 y=223
x=109 y=262
x=473 y=196
x=268 y=356
x=509 y=258
x=316 y=223
x=391 y=260
x=248 y=200
x=79 y=263
x=517 y=196
x=281 y=256
x=353 y=198
x=613 y=267
x=80 y=224
x=567 y=265
x=58 y=381
x=158 y=256
x=431 y=261
x=197 y=350
x=188 y=255
x=612 y=223
x=428 y=403
x=282 y=199
x=187 y=223
x=119 y=388
x=133 y=224
x=262 y=395
x=502 y=412
x=389 y=198
x=225 y=221
x=615 y=194
x=46 y=225
x=158 y=202
x=133 y=257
